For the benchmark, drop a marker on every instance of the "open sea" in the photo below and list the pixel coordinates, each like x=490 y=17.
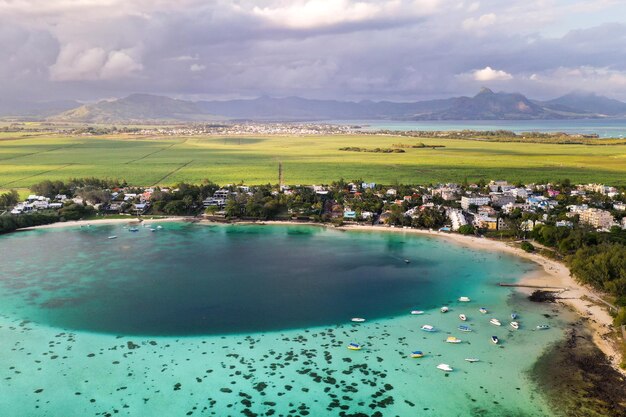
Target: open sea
x=229 y=320
x=605 y=128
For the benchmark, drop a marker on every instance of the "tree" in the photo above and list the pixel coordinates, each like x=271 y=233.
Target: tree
x=9 y=199
x=466 y=229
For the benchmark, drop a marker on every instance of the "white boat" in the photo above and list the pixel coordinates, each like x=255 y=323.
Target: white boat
x=428 y=328
x=452 y=339
x=464 y=299
x=495 y=322
x=515 y=325
x=152 y=229
x=444 y=309
x=483 y=310
x=463 y=317
x=416 y=312
x=112 y=237
x=357 y=319
x=406 y=261
x=444 y=367
x=472 y=360
x=495 y=339
x=543 y=327
x=464 y=329
x=513 y=316
x=159 y=227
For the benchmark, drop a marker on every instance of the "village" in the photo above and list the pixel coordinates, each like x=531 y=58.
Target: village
x=497 y=206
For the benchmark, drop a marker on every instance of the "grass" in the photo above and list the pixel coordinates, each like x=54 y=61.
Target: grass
x=306 y=160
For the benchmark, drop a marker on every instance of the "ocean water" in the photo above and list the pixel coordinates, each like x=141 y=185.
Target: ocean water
x=254 y=320
x=605 y=128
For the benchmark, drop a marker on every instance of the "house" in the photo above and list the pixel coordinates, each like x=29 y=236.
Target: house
x=519 y=192
x=391 y=192
x=500 y=199
x=368 y=185
x=619 y=206
x=486 y=211
x=349 y=214
x=489 y=223
x=564 y=223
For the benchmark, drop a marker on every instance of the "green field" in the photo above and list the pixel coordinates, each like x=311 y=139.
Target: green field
x=162 y=160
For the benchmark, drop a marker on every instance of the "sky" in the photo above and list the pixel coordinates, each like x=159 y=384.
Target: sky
x=401 y=50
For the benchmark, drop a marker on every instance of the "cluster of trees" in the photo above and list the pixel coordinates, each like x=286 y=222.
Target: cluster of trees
x=50 y=189
x=374 y=150
x=186 y=200
x=68 y=212
x=9 y=199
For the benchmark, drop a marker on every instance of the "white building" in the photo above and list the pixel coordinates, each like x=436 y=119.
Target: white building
x=466 y=202
x=456 y=218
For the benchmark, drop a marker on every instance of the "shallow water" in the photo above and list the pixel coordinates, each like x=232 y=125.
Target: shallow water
x=256 y=318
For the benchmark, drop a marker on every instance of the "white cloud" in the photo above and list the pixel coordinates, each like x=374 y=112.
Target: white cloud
x=479 y=23
x=76 y=62
x=306 y=14
x=197 y=67
x=490 y=74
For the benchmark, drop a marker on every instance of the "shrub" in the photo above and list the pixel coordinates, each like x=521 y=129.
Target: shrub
x=527 y=246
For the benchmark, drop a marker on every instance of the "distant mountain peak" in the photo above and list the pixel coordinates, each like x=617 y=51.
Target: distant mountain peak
x=485 y=91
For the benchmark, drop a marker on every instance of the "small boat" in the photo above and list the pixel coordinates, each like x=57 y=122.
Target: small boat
x=428 y=328
x=357 y=319
x=495 y=322
x=159 y=227
x=417 y=354
x=513 y=316
x=464 y=299
x=133 y=229
x=416 y=312
x=152 y=229
x=444 y=309
x=472 y=360
x=354 y=346
x=463 y=317
x=464 y=328
x=406 y=261
x=452 y=339
x=543 y=327
x=112 y=237
x=444 y=367
x=483 y=310
x=515 y=325
x=495 y=339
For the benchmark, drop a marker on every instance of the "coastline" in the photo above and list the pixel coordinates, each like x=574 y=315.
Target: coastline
x=552 y=274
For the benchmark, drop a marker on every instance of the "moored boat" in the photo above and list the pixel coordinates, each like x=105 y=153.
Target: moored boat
x=464 y=299
x=112 y=237
x=133 y=229
x=452 y=339
x=513 y=316
x=515 y=325
x=428 y=328
x=495 y=322
x=543 y=327
x=483 y=310
x=416 y=312
x=464 y=328
x=444 y=309
x=354 y=346
x=495 y=339
x=417 y=354
x=357 y=319
x=444 y=367
x=471 y=360
x=463 y=317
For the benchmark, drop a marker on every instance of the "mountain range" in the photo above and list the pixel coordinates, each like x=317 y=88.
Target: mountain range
x=486 y=105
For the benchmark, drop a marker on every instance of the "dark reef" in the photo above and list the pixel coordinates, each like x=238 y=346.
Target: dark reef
x=578 y=379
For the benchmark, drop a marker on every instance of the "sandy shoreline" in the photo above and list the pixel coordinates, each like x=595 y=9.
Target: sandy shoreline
x=553 y=274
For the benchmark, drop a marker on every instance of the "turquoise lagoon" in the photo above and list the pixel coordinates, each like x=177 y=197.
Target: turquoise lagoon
x=254 y=320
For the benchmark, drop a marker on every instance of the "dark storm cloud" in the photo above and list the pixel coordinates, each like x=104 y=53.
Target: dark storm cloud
x=399 y=49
